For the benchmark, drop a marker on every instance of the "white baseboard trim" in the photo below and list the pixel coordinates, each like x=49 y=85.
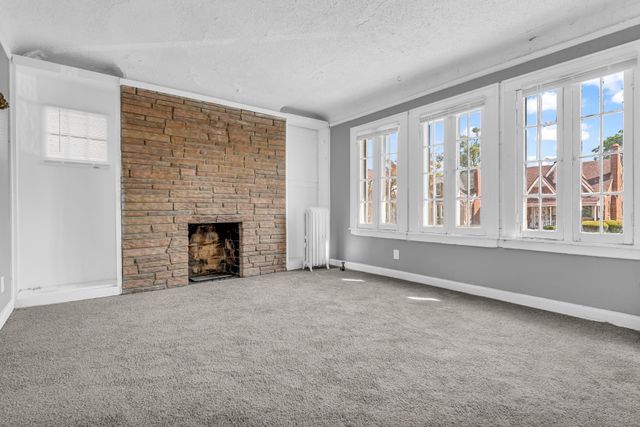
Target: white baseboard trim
x=55 y=295
x=5 y=313
x=576 y=310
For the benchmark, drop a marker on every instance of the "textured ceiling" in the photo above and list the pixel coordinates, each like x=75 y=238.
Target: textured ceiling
x=336 y=59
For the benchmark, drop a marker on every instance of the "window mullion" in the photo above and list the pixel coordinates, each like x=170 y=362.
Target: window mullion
x=520 y=156
x=450 y=174
x=571 y=184
x=377 y=173
x=630 y=208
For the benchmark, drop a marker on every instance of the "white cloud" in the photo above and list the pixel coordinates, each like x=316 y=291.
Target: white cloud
x=548 y=133
x=594 y=82
x=585 y=131
x=612 y=85
x=613 y=82
x=532 y=104
x=549 y=102
x=618 y=97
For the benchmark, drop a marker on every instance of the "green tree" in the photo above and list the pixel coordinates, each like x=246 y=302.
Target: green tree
x=610 y=141
x=469 y=154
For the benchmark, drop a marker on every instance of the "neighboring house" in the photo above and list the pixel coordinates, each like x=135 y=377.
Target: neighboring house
x=591 y=185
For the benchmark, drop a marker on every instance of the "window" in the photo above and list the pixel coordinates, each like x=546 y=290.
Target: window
x=454 y=166
x=385 y=173
x=559 y=177
x=366 y=180
x=430 y=174
x=75 y=136
x=389 y=178
x=574 y=179
x=433 y=173
x=540 y=163
x=436 y=135
x=601 y=153
x=377 y=150
x=468 y=198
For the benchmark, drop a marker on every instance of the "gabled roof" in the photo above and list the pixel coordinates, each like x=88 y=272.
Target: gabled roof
x=590 y=178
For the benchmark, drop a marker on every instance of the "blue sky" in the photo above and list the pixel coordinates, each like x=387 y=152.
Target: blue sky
x=473 y=119
x=392 y=146
x=436 y=130
x=612 y=98
x=612 y=121
x=548 y=137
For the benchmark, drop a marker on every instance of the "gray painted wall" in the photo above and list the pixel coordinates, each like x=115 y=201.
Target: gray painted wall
x=5 y=201
x=607 y=283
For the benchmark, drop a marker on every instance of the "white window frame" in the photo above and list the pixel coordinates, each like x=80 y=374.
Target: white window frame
x=628 y=190
x=562 y=154
x=567 y=78
x=377 y=129
x=486 y=99
x=417 y=148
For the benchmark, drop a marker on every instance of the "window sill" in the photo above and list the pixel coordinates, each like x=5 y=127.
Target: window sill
x=385 y=234
x=454 y=239
x=79 y=163
x=448 y=239
x=600 y=250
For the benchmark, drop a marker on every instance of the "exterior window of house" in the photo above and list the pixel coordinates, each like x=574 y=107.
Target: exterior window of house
x=540 y=167
x=468 y=176
x=601 y=155
x=433 y=173
x=75 y=136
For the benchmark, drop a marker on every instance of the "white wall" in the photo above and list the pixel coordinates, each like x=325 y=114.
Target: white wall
x=307 y=181
x=5 y=196
x=66 y=215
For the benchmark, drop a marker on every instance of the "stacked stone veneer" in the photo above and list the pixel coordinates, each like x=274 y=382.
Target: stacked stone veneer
x=186 y=161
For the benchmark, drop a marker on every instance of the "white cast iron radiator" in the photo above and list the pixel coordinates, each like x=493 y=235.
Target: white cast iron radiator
x=316 y=237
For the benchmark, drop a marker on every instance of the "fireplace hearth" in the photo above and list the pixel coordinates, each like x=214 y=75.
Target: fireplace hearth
x=214 y=251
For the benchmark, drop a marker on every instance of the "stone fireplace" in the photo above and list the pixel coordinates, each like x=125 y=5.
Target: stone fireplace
x=189 y=165
x=214 y=251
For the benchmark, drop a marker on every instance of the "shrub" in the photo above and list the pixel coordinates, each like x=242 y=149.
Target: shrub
x=614 y=226
x=593 y=226
x=549 y=227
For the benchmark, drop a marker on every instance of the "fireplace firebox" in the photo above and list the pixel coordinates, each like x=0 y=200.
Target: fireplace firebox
x=214 y=251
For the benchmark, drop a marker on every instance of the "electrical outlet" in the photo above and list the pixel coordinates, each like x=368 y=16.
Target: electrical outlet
x=396 y=254
x=2 y=285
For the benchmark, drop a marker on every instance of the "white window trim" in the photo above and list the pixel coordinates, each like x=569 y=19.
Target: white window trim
x=486 y=98
x=572 y=241
x=399 y=122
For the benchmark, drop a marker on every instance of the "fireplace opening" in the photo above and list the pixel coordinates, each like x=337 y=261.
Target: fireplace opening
x=214 y=251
